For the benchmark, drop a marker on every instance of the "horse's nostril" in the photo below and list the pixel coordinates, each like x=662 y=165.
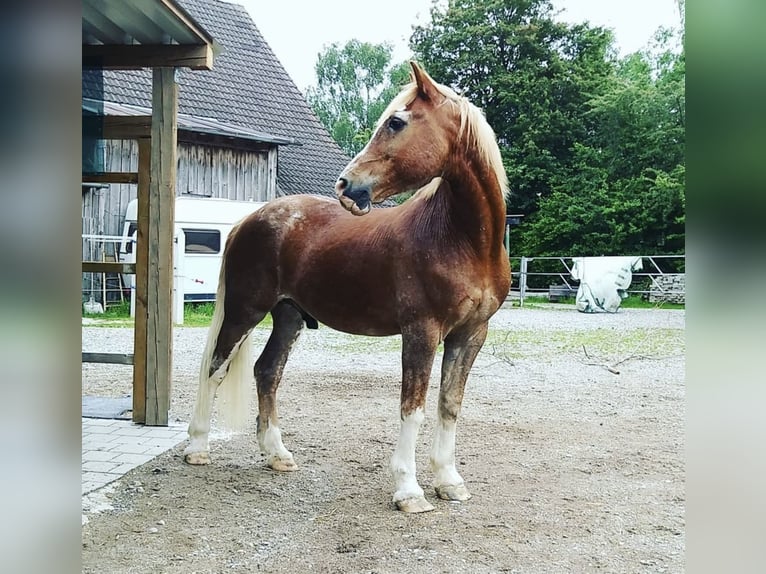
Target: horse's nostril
x=341 y=184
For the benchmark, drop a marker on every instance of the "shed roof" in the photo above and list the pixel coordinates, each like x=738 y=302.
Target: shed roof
x=143 y=33
x=248 y=87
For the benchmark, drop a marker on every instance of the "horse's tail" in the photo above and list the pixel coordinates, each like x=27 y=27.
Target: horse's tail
x=234 y=387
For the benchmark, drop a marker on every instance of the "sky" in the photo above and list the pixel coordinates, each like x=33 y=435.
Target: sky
x=298 y=30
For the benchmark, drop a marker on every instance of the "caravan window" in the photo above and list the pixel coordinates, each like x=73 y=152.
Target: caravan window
x=129 y=235
x=202 y=240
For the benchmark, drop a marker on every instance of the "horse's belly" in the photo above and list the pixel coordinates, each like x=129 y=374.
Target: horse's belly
x=355 y=321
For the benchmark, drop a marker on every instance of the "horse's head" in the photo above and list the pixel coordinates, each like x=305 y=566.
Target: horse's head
x=410 y=146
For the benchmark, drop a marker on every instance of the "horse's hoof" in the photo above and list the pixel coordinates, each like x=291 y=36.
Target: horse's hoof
x=283 y=465
x=414 y=505
x=197 y=458
x=456 y=492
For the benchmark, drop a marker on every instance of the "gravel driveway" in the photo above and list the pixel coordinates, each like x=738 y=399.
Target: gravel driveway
x=571 y=440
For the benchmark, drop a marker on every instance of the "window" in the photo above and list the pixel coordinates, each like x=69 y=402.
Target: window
x=129 y=241
x=202 y=241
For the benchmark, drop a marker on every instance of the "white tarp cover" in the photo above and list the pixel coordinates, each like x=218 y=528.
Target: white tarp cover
x=603 y=282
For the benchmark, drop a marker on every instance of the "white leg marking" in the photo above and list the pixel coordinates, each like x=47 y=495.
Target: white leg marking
x=196 y=452
x=199 y=426
x=403 y=459
x=271 y=444
x=277 y=456
x=443 y=455
x=448 y=483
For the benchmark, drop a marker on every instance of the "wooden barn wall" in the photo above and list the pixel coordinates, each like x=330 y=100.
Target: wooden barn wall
x=226 y=173
x=202 y=170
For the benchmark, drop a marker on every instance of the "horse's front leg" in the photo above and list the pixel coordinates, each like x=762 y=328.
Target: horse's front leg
x=460 y=350
x=418 y=350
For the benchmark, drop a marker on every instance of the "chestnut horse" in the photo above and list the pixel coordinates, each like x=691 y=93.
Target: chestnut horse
x=433 y=269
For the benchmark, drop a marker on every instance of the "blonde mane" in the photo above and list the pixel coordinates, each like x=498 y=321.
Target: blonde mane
x=474 y=129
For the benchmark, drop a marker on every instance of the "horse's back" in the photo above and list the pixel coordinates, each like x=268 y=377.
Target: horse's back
x=364 y=275
x=285 y=214
x=278 y=232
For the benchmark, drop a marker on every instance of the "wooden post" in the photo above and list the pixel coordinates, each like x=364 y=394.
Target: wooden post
x=141 y=249
x=159 y=332
x=523 y=280
x=271 y=175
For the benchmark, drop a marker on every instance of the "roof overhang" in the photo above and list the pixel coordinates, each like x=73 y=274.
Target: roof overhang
x=143 y=34
x=123 y=121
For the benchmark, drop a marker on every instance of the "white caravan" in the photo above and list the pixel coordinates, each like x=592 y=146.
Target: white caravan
x=201 y=226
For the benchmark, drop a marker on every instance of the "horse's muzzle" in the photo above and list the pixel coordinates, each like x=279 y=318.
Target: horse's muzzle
x=355 y=199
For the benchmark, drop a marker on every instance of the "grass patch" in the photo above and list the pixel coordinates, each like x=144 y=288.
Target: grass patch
x=512 y=345
x=636 y=302
x=116 y=311
x=198 y=314
x=201 y=314
x=117 y=315
x=632 y=302
x=597 y=342
x=195 y=315
x=534 y=302
x=358 y=344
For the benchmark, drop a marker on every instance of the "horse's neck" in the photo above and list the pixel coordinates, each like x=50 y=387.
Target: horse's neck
x=477 y=207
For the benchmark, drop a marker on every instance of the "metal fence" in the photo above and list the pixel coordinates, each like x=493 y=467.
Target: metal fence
x=662 y=278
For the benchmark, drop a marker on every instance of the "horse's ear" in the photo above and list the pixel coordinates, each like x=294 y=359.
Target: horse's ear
x=426 y=86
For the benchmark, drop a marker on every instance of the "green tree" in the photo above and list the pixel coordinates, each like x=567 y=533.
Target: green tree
x=593 y=145
x=355 y=82
x=624 y=191
x=532 y=75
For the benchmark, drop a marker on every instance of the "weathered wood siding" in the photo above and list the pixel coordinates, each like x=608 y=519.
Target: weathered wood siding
x=208 y=171
x=226 y=173
x=202 y=170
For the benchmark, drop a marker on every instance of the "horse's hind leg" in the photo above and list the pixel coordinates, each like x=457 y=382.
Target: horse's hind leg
x=288 y=323
x=460 y=350
x=227 y=343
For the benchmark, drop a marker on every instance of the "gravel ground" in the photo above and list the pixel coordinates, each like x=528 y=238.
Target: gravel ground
x=571 y=440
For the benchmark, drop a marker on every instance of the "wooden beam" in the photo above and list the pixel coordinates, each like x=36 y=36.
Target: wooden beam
x=127 y=127
x=110 y=177
x=187 y=21
x=137 y=127
x=187 y=135
x=159 y=333
x=110 y=358
x=137 y=56
x=118 y=127
x=108 y=267
x=142 y=272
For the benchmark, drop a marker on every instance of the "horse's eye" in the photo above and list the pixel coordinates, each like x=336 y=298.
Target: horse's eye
x=395 y=123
